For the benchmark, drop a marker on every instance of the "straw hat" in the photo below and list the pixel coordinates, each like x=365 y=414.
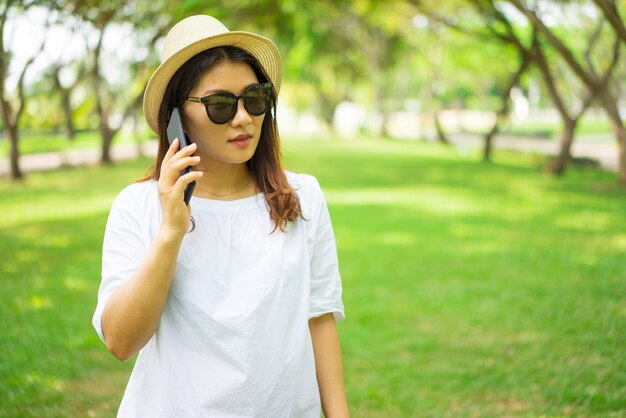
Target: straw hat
x=196 y=34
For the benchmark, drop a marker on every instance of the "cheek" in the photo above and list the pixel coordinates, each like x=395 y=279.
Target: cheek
x=192 y=121
x=207 y=135
x=258 y=125
x=200 y=129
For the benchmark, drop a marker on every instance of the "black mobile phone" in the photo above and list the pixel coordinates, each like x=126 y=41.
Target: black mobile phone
x=175 y=130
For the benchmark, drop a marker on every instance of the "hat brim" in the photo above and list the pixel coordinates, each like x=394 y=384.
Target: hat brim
x=260 y=47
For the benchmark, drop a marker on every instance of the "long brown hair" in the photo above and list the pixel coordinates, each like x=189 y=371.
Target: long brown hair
x=266 y=164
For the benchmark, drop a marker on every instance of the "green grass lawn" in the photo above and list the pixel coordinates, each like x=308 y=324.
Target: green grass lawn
x=471 y=290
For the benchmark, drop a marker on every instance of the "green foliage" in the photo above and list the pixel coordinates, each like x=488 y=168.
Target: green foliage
x=368 y=51
x=470 y=290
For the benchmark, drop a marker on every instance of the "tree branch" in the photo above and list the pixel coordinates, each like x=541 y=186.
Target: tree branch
x=593 y=40
x=609 y=9
x=544 y=68
x=556 y=43
x=436 y=17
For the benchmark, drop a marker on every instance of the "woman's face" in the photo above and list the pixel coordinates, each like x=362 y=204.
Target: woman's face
x=235 y=141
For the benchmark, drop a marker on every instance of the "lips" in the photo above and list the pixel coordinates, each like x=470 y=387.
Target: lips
x=240 y=138
x=241 y=141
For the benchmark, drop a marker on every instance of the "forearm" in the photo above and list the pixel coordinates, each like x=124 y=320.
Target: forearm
x=329 y=366
x=133 y=312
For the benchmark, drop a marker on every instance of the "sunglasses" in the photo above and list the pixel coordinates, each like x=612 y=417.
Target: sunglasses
x=222 y=107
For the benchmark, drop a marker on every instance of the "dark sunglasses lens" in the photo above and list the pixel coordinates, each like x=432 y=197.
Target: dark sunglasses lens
x=221 y=107
x=258 y=99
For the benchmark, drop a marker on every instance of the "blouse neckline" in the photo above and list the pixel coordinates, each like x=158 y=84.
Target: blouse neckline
x=255 y=201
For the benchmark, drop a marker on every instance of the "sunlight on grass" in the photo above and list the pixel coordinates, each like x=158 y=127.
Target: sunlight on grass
x=48 y=209
x=419 y=198
x=26 y=256
x=35 y=302
x=591 y=220
x=619 y=242
x=74 y=283
x=397 y=238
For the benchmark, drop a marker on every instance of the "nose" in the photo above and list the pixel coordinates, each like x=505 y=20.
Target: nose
x=242 y=117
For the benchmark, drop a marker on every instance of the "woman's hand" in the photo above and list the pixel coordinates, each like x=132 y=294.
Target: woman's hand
x=171 y=187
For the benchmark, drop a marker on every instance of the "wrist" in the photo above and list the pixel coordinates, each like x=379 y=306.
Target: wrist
x=169 y=235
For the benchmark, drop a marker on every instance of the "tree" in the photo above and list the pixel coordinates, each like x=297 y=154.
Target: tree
x=12 y=103
x=501 y=27
x=146 y=21
x=65 y=91
x=497 y=26
x=570 y=119
x=504 y=83
x=597 y=84
x=503 y=113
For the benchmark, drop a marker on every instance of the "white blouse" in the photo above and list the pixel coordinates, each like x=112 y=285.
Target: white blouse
x=233 y=340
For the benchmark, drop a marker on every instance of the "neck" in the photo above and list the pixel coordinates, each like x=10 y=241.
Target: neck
x=224 y=181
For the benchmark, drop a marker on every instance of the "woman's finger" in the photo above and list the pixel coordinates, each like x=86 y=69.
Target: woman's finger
x=184 y=180
x=171 y=167
x=184 y=163
x=171 y=150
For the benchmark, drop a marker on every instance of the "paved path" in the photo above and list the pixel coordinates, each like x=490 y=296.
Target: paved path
x=599 y=148
x=54 y=160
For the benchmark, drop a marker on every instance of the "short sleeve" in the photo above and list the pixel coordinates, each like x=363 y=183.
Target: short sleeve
x=123 y=250
x=326 y=288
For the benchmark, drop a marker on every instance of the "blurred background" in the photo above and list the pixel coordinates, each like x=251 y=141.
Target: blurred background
x=472 y=152
x=463 y=72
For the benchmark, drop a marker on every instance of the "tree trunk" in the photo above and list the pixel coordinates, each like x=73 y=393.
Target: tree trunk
x=505 y=109
x=14 y=153
x=621 y=146
x=609 y=104
x=385 y=125
x=70 y=132
x=488 y=146
x=441 y=134
x=65 y=103
x=559 y=162
x=328 y=116
x=107 y=139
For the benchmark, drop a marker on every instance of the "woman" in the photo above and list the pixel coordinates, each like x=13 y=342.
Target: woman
x=231 y=301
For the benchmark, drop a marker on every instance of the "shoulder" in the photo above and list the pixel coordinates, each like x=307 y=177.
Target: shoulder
x=305 y=185
x=137 y=196
x=309 y=193
x=136 y=206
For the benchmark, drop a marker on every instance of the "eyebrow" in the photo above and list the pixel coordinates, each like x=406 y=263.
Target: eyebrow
x=214 y=91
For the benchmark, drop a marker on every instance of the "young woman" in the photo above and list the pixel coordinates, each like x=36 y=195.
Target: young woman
x=230 y=301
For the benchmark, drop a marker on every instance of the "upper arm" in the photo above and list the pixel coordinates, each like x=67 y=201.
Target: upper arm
x=123 y=249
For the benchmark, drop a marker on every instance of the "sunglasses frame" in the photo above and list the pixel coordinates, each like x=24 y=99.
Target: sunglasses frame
x=266 y=87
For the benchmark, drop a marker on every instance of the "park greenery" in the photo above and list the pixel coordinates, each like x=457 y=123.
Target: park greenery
x=471 y=290
x=387 y=56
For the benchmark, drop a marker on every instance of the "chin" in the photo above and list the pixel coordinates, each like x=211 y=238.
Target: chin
x=240 y=159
